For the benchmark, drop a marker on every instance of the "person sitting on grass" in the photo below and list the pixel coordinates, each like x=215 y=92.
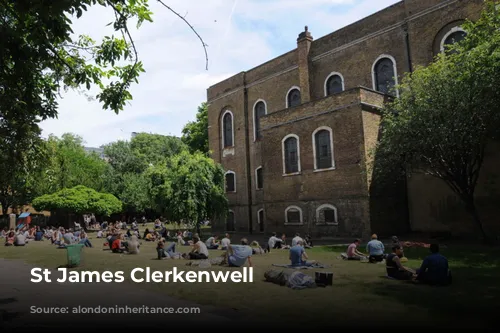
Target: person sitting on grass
x=38 y=234
x=434 y=269
x=165 y=252
x=211 y=243
x=84 y=239
x=394 y=267
x=117 y=246
x=375 y=249
x=274 y=242
x=296 y=239
x=352 y=251
x=225 y=242
x=199 y=251
x=298 y=255
x=4 y=233
x=10 y=238
x=238 y=255
x=133 y=245
x=20 y=239
x=181 y=241
x=256 y=248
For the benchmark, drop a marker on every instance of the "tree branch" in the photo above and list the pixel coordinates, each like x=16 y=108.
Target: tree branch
x=192 y=28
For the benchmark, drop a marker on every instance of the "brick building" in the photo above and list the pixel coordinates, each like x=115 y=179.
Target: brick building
x=295 y=134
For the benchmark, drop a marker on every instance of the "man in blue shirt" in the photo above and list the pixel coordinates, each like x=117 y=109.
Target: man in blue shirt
x=238 y=255
x=298 y=256
x=434 y=269
x=375 y=249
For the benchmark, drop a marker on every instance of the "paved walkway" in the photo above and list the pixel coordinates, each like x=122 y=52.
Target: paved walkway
x=18 y=295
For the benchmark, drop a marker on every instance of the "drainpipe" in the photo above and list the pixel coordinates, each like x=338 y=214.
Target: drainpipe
x=408 y=48
x=410 y=69
x=247 y=153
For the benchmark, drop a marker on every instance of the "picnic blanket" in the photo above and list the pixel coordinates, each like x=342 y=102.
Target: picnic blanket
x=315 y=265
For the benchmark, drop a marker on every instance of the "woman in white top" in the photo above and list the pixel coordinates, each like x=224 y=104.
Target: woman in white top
x=199 y=251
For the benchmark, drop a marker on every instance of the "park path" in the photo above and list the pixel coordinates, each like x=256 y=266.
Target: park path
x=18 y=294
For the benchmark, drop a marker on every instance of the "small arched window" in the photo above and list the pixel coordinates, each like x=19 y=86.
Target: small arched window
x=259 y=180
x=259 y=111
x=384 y=75
x=291 y=154
x=455 y=35
x=230 y=221
x=227 y=129
x=293 y=215
x=326 y=214
x=334 y=84
x=323 y=148
x=293 y=98
x=260 y=218
x=230 y=180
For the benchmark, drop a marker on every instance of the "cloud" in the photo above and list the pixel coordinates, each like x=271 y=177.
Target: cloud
x=241 y=34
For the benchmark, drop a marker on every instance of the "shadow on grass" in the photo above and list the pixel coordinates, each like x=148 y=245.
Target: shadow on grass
x=475 y=292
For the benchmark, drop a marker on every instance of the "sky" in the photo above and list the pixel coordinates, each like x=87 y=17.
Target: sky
x=240 y=35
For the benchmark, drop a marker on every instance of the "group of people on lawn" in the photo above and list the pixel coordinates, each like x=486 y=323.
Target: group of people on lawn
x=434 y=269
x=58 y=236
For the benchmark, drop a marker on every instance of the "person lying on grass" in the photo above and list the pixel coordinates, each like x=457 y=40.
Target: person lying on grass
x=395 y=268
x=238 y=255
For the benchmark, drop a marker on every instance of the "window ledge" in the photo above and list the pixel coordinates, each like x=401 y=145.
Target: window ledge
x=329 y=223
x=299 y=223
x=292 y=174
x=231 y=192
x=324 y=170
x=259 y=189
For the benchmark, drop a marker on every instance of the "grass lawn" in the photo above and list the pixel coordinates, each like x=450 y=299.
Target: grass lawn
x=360 y=292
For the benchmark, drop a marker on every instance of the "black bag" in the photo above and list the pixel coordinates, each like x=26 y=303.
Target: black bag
x=323 y=279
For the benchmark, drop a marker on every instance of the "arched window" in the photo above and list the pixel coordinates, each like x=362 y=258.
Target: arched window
x=260 y=218
x=227 y=129
x=259 y=181
x=230 y=221
x=259 y=111
x=326 y=214
x=323 y=148
x=293 y=97
x=230 y=180
x=384 y=74
x=455 y=35
x=293 y=215
x=291 y=154
x=334 y=84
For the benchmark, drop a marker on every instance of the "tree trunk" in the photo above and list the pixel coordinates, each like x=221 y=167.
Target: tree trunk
x=472 y=209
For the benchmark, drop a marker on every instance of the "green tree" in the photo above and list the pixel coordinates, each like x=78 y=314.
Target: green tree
x=122 y=159
x=190 y=187
x=448 y=112
x=156 y=148
x=21 y=161
x=195 y=133
x=129 y=162
x=40 y=56
x=79 y=200
x=69 y=165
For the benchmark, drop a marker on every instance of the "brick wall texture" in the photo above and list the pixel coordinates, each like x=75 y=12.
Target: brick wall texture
x=410 y=33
